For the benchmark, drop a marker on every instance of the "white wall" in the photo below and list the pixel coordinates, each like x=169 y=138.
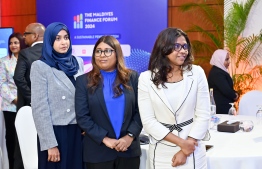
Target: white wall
x=254 y=22
x=253 y=25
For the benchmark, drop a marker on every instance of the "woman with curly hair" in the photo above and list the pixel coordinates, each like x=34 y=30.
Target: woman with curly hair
x=174 y=106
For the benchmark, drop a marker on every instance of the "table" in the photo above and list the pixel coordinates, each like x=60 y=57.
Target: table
x=240 y=150
x=3 y=153
x=143 y=158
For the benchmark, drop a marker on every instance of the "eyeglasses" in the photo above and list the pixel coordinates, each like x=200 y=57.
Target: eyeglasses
x=28 y=33
x=178 y=47
x=107 y=52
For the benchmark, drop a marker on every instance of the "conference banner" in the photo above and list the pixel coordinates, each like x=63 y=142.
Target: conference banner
x=135 y=23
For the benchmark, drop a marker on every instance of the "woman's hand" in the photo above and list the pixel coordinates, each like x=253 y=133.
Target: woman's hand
x=15 y=101
x=110 y=142
x=179 y=159
x=124 y=143
x=236 y=96
x=53 y=154
x=188 y=146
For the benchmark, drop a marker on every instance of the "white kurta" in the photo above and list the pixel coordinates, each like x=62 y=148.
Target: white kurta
x=156 y=108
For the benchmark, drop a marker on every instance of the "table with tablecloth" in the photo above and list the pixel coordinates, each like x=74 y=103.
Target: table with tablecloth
x=240 y=150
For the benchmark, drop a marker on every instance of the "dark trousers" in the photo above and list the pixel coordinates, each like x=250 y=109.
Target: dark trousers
x=119 y=163
x=10 y=136
x=69 y=141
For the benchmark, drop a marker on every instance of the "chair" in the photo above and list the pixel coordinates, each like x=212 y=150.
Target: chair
x=27 y=137
x=250 y=102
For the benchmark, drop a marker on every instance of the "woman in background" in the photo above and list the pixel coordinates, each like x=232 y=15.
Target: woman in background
x=221 y=82
x=107 y=110
x=174 y=104
x=53 y=90
x=9 y=91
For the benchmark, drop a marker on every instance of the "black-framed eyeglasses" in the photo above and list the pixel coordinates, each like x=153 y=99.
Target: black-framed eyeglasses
x=28 y=33
x=178 y=47
x=107 y=52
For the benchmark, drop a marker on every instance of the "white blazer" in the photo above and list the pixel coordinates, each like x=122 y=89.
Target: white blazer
x=155 y=109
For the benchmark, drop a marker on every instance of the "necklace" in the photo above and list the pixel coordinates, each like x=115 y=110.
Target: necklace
x=174 y=76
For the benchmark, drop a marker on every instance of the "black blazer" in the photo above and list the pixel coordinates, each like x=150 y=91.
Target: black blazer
x=92 y=117
x=222 y=84
x=22 y=73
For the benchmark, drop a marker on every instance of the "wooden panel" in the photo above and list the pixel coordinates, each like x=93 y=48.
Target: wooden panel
x=181 y=2
x=169 y=17
x=18 y=22
x=204 y=61
x=18 y=7
x=199 y=36
x=185 y=19
x=18 y=14
x=0 y=13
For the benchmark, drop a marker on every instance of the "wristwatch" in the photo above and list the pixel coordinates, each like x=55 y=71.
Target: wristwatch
x=130 y=135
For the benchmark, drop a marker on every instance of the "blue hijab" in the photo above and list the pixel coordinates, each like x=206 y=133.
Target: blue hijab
x=61 y=61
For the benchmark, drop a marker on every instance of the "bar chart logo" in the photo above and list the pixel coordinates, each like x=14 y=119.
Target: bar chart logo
x=78 y=21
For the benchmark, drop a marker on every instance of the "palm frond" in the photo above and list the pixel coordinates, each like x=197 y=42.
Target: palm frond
x=200 y=47
x=207 y=14
x=201 y=60
x=211 y=36
x=256 y=71
x=235 y=23
x=245 y=49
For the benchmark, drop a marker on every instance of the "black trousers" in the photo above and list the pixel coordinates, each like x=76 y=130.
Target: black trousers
x=10 y=135
x=119 y=163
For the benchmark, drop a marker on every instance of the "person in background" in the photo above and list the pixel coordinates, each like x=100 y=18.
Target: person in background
x=107 y=110
x=8 y=91
x=53 y=89
x=221 y=82
x=174 y=106
x=33 y=37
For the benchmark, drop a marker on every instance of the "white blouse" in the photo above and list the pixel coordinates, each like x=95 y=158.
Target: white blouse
x=173 y=93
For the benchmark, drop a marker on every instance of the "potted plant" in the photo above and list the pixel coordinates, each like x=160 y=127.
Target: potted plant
x=210 y=16
x=245 y=52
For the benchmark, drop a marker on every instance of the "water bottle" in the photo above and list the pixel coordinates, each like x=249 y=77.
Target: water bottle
x=212 y=102
x=213 y=110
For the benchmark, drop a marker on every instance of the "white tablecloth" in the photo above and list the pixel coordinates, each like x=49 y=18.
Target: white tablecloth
x=240 y=150
x=3 y=153
x=143 y=159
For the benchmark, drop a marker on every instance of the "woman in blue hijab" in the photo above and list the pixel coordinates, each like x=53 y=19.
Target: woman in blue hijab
x=53 y=88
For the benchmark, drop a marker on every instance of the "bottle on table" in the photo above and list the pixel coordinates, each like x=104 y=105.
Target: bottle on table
x=212 y=102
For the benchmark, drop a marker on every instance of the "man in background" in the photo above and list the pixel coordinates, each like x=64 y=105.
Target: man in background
x=33 y=36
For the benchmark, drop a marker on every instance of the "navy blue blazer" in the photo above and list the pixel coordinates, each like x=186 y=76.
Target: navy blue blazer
x=92 y=117
x=222 y=84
